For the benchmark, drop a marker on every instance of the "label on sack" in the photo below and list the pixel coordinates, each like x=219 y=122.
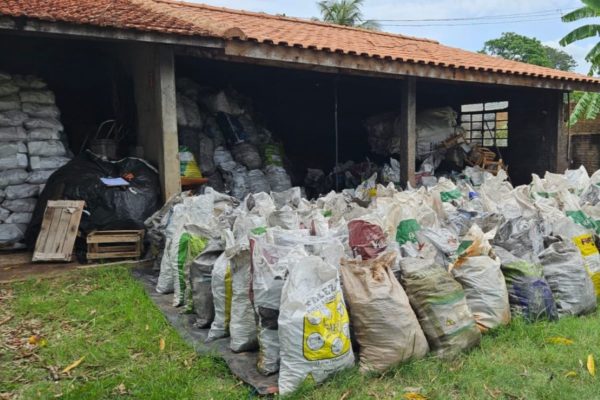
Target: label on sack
x=451 y=195
x=326 y=332
x=580 y=218
x=585 y=244
x=407 y=231
x=464 y=245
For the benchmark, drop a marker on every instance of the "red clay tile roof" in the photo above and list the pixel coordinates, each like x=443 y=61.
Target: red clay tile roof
x=175 y=17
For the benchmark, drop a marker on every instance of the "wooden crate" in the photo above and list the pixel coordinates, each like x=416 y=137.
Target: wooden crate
x=115 y=244
x=59 y=228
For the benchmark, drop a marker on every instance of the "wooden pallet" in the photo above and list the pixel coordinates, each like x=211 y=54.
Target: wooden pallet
x=115 y=244
x=59 y=228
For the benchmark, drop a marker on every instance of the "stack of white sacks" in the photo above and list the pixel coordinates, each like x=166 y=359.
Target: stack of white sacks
x=32 y=147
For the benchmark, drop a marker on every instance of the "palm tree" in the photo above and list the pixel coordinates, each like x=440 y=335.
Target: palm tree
x=345 y=12
x=588 y=104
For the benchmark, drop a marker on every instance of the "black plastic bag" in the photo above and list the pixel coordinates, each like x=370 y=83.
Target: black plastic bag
x=106 y=208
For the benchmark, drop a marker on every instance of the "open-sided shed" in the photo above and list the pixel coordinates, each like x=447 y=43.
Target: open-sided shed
x=131 y=51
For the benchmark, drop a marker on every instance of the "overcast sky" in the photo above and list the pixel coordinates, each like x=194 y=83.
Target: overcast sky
x=536 y=18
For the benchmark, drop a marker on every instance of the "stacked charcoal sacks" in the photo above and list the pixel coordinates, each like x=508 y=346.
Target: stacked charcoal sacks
x=32 y=147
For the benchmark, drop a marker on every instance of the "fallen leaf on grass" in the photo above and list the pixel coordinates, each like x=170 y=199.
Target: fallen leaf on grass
x=37 y=340
x=120 y=389
x=53 y=372
x=494 y=393
x=74 y=365
x=571 y=374
x=346 y=395
x=413 y=396
x=560 y=340
x=591 y=365
x=161 y=344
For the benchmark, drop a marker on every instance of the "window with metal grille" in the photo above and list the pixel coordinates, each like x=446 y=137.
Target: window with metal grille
x=486 y=124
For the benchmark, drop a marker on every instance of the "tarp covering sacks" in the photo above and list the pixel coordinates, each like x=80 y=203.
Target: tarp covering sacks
x=314 y=327
x=529 y=294
x=477 y=269
x=107 y=208
x=385 y=326
x=571 y=285
x=440 y=303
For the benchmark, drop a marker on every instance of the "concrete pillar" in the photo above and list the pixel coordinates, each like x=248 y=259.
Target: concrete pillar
x=153 y=68
x=408 y=133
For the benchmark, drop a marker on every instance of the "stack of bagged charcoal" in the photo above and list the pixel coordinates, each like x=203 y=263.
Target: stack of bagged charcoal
x=32 y=147
x=379 y=274
x=233 y=150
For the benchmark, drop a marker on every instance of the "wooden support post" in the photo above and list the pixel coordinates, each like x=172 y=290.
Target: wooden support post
x=561 y=139
x=167 y=106
x=408 y=134
x=153 y=69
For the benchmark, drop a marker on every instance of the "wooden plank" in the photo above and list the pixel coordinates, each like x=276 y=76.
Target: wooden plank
x=53 y=226
x=71 y=233
x=61 y=231
x=408 y=134
x=115 y=232
x=116 y=248
x=113 y=239
x=46 y=221
x=99 y=256
x=58 y=231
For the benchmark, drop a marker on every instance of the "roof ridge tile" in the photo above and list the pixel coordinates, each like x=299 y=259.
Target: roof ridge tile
x=200 y=20
x=290 y=19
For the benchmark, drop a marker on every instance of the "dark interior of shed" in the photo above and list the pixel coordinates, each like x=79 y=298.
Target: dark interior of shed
x=91 y=86
x=89 y=83
x=298 y=106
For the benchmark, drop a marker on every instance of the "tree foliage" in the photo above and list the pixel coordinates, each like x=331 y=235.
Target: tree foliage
x=345 y=12
x=517 y=47
x=560 y=59
x=588 y=104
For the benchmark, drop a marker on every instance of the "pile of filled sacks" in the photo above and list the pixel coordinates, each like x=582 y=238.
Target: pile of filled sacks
x=380 y=275
x=222 y=140
x=32 y=147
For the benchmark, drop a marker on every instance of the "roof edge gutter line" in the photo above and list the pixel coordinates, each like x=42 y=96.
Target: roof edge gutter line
x=336 y=62
x=28 y=25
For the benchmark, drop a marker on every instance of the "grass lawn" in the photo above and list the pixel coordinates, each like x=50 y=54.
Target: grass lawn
x=105 y=317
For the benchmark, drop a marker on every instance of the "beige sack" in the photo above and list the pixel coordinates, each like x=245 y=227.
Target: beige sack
x=385 y=325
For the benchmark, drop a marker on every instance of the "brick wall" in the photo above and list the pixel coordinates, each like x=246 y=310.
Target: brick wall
x=585 y=150
x=585 y=144
x=586 y=126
